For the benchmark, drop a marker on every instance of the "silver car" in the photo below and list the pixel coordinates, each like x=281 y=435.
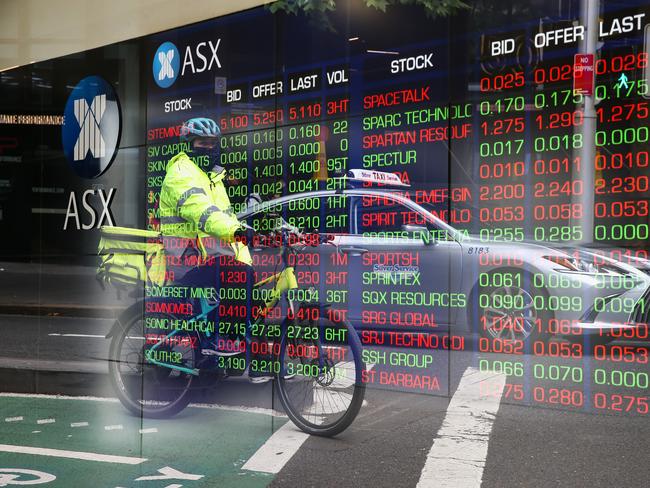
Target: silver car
x=394 y=265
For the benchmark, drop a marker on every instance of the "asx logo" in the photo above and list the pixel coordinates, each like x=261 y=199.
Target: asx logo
x=196 y=59
x=91 y=127
x=90 y=137
x=165 y=65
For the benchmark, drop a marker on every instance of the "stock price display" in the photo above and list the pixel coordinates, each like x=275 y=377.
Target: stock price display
x=519 y=245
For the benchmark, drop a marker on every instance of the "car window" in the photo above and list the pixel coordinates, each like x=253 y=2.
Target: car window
x=383 y=216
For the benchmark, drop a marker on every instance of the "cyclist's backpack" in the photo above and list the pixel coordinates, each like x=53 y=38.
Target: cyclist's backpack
x=131 y=257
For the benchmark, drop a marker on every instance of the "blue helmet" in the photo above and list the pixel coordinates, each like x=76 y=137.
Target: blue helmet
x=199 y=127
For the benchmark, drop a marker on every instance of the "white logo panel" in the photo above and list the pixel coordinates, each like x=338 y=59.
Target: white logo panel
x=90 y=137
x=166 y=68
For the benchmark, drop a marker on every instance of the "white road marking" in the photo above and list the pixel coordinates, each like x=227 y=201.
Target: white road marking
x=168 y=473
x=58 y=397
x=240 y=408
x=14 y=419
x=8 y=476
x=84 y=456
x=234 y=408
x=45 y=421
x=113 y=427
x=458 y=454
x=277 y=450
x=79 y=424
x=152 y=430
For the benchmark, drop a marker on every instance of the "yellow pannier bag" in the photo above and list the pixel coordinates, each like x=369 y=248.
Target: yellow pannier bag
x=131 y=257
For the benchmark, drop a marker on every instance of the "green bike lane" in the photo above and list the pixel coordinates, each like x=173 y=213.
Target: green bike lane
x=96 y=443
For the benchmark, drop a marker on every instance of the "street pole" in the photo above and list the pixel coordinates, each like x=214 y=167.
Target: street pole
x=589 y=10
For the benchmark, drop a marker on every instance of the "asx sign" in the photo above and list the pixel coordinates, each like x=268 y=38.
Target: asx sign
x=90 y=135
x=197 y=58
x=96 y=217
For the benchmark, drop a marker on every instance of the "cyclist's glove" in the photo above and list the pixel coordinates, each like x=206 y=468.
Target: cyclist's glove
x=245 y=234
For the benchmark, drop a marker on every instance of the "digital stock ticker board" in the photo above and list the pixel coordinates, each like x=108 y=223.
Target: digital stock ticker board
x=516 y=237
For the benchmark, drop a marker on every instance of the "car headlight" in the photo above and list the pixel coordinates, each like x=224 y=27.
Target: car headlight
x=585 y=264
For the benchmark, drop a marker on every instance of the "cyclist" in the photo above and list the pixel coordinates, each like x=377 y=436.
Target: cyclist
x=194 y=204
x=194 y=207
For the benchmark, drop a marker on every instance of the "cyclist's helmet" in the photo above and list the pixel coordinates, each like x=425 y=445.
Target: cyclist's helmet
x=199 y=127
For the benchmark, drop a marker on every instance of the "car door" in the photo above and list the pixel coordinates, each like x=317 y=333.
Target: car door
x=404 y=273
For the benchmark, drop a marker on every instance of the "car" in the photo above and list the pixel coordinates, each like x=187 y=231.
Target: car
x=393 y=264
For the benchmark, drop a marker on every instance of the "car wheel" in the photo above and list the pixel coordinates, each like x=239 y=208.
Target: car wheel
x=508 y=312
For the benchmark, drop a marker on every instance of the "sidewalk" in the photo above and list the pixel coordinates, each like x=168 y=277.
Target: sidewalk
x=50 y=289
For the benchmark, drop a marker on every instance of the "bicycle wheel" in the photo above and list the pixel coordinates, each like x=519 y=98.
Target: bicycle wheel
x=320 y=381
x=144 y=388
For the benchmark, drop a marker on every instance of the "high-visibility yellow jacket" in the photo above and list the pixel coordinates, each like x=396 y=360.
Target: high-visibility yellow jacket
x=195 y=204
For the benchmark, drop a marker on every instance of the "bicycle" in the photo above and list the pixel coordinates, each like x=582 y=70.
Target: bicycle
x=155 y=374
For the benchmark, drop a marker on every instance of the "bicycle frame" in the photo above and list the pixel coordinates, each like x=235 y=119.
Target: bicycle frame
x=285 y=280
